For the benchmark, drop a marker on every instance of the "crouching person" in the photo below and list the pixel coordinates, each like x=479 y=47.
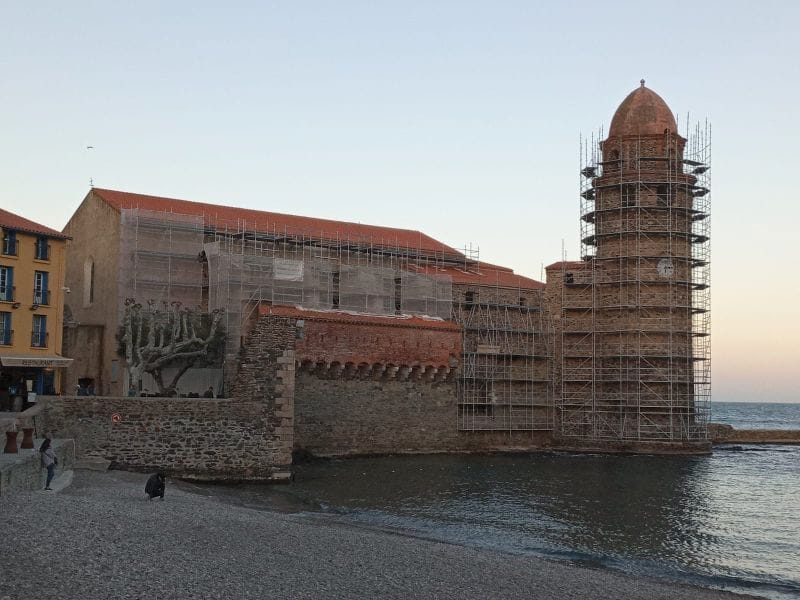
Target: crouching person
x=155 y=486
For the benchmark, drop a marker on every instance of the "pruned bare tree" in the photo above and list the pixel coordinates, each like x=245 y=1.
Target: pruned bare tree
x=153 y=338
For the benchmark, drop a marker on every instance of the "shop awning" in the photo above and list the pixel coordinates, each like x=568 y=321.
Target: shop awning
x=34 y=361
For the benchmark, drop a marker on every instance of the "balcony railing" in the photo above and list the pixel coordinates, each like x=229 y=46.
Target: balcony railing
x=41 y=297
x=7 y=293
x=39 y=339
x=6 y=337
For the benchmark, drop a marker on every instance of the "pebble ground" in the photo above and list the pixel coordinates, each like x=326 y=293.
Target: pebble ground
x=100 y=538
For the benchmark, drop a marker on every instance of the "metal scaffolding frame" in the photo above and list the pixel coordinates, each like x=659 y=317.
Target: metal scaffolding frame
x=635 y=356
x=168 y=257
x=505 y=382
x=247 y=266
x=158 y=258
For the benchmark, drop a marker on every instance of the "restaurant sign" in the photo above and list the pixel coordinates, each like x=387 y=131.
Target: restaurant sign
x=34 y=361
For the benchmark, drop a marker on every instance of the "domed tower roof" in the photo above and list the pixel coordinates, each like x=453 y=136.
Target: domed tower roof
x=643 y=112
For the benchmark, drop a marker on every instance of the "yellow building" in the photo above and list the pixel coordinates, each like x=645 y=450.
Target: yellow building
x=31 y=310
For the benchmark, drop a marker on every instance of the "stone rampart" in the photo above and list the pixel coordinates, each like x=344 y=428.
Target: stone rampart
x=351 y=416
x=188 y=437
x=340 y=417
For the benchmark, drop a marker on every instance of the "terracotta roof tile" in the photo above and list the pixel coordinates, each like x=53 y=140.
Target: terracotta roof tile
x=484 y=274
x=220 y=216
x=9 y=220
x=569 y=264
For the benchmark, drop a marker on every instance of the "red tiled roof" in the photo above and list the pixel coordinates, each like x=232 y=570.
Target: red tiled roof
x=495 y=267
x=269 y=222
x=484 y=274
x=345 y=317
x=568 y=264
x=9 y=220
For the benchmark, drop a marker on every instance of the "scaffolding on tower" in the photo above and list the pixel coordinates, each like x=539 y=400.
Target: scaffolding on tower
x=634 y=327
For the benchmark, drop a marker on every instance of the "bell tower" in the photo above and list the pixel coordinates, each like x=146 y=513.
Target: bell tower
x=645 y=248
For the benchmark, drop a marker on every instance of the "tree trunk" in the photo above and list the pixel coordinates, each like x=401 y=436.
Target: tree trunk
x=181 y=372
x=156 y=373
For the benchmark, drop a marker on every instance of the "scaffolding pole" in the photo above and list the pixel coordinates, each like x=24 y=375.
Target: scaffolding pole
x=635 y=314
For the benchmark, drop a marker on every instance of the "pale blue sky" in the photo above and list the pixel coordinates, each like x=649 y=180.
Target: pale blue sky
x=460 y=119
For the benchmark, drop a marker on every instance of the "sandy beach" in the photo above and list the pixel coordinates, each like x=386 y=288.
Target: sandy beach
x=100 y=538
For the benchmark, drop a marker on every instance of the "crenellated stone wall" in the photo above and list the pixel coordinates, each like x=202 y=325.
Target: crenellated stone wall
x=340 y=345
x=379 y=385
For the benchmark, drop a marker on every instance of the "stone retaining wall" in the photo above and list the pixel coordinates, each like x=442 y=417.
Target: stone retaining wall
x=23 y=471
x=188 y=437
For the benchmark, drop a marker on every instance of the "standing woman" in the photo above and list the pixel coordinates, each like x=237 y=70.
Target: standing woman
x=49 y=460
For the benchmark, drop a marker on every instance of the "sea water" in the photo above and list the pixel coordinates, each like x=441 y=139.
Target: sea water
x=757 y=415
x=728 y=521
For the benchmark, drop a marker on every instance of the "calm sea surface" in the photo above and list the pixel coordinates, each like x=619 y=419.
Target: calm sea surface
x=756 y=415
x=728 y=521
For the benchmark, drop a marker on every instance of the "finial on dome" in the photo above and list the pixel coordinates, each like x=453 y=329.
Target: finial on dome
x=642 y=82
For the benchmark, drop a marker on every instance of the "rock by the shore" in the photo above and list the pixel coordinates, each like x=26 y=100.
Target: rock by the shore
x=720 y=433
x=101 y=538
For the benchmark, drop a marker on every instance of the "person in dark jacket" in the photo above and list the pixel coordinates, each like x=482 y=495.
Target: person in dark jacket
x=155 y=486
x=49 y=460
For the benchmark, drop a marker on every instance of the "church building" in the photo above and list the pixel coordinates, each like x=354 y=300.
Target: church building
x=400 y=343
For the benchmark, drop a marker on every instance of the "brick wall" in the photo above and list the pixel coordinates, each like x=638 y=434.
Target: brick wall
x=361 y=341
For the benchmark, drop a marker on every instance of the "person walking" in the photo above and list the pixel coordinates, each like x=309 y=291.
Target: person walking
x=49 y=459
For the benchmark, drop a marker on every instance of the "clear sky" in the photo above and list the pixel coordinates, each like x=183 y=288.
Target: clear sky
x=457 y=118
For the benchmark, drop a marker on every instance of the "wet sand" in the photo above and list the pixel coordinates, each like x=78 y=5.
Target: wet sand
x=101 y=538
